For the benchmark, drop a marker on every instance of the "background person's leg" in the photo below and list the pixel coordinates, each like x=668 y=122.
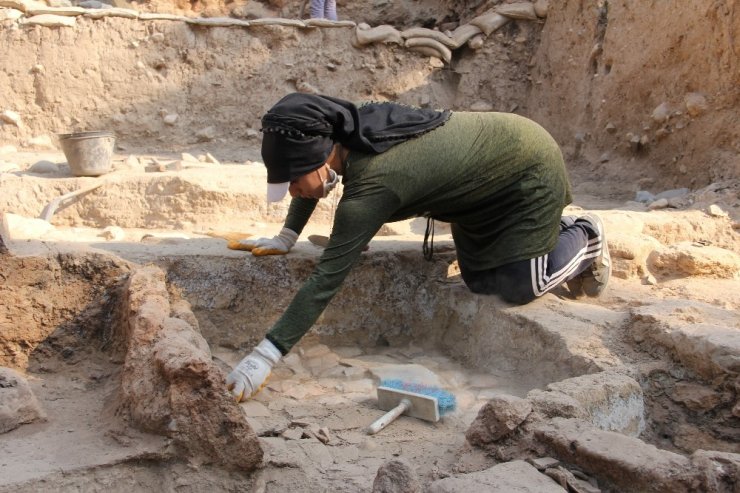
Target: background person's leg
x=330 y=10
x=317 y=9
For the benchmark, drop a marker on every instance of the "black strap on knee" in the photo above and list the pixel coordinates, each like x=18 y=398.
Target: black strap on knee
x=428 y=246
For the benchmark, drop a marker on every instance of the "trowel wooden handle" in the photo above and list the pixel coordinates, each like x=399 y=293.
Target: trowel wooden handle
x=388 y=417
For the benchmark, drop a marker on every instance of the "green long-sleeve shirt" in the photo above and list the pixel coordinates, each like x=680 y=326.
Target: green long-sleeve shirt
x=498 y=178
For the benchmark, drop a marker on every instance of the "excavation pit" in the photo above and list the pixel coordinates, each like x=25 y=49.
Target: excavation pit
x=77 y=360
x=125 y=336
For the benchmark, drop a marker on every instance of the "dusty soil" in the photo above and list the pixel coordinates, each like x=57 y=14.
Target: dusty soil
x=73 y=357
x=638 y=101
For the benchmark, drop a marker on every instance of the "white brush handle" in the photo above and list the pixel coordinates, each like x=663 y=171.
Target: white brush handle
x=388 y=417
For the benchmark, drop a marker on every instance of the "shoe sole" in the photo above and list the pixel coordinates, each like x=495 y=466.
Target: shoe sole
x=592 y=286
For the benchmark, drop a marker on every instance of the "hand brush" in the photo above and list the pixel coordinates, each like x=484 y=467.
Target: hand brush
x=412 y=399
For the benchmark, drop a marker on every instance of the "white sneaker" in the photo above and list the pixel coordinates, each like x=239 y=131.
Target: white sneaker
x=594 y=279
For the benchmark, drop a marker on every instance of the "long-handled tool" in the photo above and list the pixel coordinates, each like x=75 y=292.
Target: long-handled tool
x=415 y=400
x=65 y=200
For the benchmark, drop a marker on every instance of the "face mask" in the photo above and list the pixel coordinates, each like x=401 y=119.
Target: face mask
x=331 y=183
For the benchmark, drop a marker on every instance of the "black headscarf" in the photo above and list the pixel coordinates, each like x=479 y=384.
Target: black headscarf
x=300 y=130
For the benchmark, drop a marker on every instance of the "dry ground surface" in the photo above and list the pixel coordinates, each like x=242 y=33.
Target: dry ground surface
x=120 y=315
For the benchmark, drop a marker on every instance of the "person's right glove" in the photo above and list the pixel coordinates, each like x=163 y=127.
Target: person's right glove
x=250 y=375
x=277 y=245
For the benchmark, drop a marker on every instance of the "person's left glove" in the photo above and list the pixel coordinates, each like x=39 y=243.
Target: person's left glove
x=277 y=245
x=250 y=375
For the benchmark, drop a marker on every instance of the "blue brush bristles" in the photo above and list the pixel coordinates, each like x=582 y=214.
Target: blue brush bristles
x=445 y=400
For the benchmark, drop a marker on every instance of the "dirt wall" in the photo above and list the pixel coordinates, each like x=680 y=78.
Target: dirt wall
x=592 y=74
x=603 y=68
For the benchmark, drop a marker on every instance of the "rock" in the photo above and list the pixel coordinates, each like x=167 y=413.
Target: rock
x=644 y=197
x=696 y=103
x=43 y=167
x=658 y=204
x=497 y=419
x=170 y=119
x=18 y=404
x=320 y=433
x=701 y=337
x=541 y=7
x=542 y=463
x=610 y=127
x=476 y=42
x=717 y=470
x=650 y=280
x=672 y=194
x=320 y=364
x=661 y=113
x=305 y=87
x=210 y=158
x=24 y=228
x=396 y=476
x=132 y=163
x=716 y=211
x=11 y=117
x=693 y=259
x=695 y=397
x=510 y=477
x=611 y=400
x=292 y=434
x=633 y=140
x=629 y=463
x=206 y=134
x=113 y=233
x=630 y=252
x=662 y=133
x=481 y=106
x=170 y=385
x=250 y=10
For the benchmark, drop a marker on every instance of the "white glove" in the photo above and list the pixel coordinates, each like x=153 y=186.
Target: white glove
x=277 y=245
x=250 y=375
